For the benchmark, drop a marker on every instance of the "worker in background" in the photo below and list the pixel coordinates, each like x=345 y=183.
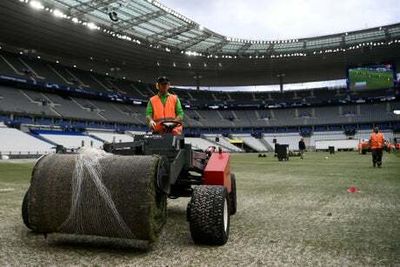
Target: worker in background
x=164 y=106
x=376 y=143
x=302 y=148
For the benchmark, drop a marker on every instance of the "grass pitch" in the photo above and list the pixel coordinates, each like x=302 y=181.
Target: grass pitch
x=374 y=79
x=289 y=213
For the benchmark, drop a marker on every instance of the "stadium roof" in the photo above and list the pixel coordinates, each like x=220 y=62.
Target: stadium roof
x=151 y=22
x=144 y=39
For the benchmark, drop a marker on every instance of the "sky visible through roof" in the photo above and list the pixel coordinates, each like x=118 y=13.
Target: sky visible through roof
x=286 y=19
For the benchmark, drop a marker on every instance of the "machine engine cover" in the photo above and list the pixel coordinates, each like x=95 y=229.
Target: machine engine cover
x=217 y=171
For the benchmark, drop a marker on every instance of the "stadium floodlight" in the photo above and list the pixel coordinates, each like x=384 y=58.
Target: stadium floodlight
x=75 y=20
x=201 y=27
x=91 y=26
x=396 y=111
x=57 y=13
x=36 y=5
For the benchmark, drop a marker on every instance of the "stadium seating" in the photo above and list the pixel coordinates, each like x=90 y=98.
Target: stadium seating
x=291 y=139
x=365 y=134
x=199 y=143
x=251 y=141
x=20 y=101
x=15 y=142
x=278 y=114
x=21 y=65
x=71 y=141
x=347 y=144
x=111 y=137
x=219 y=140
x=327 y=136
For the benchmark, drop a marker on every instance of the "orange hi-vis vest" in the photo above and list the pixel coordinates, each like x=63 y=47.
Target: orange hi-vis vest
x=376 y=140
x=164 y=112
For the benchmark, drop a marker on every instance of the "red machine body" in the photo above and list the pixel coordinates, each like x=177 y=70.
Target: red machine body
x=218 y=170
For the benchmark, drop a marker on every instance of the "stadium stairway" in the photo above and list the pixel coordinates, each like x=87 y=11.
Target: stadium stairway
x=96 y=138
x=250 y=141
x=38 y=136
x=223 y=143
x=266 y=144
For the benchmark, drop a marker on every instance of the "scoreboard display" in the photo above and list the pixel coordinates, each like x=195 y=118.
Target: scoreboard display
x=371 y=77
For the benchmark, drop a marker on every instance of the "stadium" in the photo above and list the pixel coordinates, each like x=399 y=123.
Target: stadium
x=79 y=75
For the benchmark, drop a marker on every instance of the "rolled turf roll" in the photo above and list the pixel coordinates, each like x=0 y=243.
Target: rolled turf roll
x=122 y=202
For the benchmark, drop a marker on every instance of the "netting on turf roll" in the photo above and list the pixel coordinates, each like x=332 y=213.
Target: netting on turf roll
x=95 y=193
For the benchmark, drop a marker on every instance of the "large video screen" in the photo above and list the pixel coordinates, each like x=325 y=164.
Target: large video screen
x=371 y=77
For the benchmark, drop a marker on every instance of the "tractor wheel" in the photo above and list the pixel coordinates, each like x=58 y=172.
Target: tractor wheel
x=25 y=210
x=208 y=214
x=232 y=196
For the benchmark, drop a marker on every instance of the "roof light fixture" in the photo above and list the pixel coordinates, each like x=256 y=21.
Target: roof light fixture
x=36 y=5
x=91 y=26
x=57 y=13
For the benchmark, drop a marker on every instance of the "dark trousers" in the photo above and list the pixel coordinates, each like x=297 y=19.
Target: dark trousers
x=377 y=156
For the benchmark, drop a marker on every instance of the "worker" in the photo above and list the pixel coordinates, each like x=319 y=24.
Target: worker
x=376 y=143
x=302 y=148
x=164 y=106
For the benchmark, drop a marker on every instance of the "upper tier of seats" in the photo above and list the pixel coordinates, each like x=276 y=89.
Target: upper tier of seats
x=41 y=70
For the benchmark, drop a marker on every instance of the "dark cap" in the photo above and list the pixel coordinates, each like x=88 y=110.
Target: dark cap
x=163 y=79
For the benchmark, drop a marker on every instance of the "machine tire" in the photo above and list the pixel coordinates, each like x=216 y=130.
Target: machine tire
x=232 y=196
x=208 y=214
x=25 y=210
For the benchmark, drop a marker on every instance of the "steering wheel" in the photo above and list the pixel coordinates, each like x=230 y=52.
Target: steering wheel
x=169 y=125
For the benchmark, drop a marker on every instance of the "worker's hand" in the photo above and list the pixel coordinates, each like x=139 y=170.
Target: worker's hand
x=152 y=124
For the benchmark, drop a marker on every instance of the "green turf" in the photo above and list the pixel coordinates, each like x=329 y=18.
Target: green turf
x=15 y=173
x=374 y=79
x=289 y=213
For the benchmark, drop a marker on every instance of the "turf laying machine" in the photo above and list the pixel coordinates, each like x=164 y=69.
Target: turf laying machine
x=122 y=191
